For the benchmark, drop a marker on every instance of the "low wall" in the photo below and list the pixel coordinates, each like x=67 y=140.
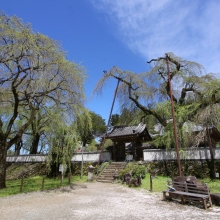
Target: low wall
x=87 y=157
x=185 y=154
x=149 y=155
x=92 y=157
x=26 y=158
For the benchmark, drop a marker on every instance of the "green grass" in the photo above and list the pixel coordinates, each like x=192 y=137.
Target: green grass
x=214 y=185
x=35 y=183
x=160 y=183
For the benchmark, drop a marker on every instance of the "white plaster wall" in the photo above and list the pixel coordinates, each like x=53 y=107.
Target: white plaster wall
x=187 y=154
x=26 y=158
x=91 y=157
x=87 y=157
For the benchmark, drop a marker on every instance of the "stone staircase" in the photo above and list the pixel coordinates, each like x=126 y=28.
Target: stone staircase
x=106 y=175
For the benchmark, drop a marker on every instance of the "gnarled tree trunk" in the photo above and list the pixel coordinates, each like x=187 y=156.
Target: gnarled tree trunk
x=18 y=146
x=34 y=145
x=3 y=155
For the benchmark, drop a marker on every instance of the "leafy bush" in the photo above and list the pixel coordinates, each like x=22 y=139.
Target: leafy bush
x=200 y=169
x=100 y=168
x=134 y=169
x=127 y=169
x=76 y=168
x=139 y=170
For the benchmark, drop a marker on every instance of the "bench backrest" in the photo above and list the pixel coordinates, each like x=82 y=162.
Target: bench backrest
x=191 y=188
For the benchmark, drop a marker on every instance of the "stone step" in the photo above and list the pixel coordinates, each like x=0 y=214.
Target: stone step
x=105 y=178
x=105 y=181
x=107 y=175
x=113 y=168
x=118 y=164
x=109 y=171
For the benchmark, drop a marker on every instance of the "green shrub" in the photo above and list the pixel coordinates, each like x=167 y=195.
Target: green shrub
x=134 y=169
x=127 y=169
x=139 y=170
x=99 y=169
x=200 y=169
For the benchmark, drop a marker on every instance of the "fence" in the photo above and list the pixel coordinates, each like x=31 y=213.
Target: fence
x=34 y=183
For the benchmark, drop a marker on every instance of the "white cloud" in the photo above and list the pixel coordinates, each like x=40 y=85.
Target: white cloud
x=190 y=29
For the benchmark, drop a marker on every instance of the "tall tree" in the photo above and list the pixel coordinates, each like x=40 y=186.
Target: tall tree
x=90 y=127
x=84 y=125
x=130 y=117
x=62 y=138
x=209 y=118
x=98 y=124
x=37 y=128
x=34 y=73
x=149 y=91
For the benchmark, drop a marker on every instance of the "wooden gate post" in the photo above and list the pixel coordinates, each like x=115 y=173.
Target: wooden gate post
x=42 y=186
x=21 y=186
x=151 y=183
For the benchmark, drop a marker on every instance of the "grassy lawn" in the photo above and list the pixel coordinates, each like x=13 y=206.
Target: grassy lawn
x=160 y=183
x=35 y=183
x=214 y=186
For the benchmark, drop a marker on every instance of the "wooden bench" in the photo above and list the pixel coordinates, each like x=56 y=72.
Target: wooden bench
x=188 y=192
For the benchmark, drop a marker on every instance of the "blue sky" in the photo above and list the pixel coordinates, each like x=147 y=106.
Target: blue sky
x=99 y=34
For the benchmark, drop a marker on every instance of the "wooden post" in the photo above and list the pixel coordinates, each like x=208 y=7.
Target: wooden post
x=81 y=175
x=21 y=186
x=69 y=177
x=42 y=186
x=151 y=184
x=61 y=180
x=174 y=118
x=109 y=119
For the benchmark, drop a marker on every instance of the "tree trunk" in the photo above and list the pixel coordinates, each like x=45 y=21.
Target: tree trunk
x=18 y=148
x=54 y=166
x=34 y=145
x=3 y=155
x=212 y=161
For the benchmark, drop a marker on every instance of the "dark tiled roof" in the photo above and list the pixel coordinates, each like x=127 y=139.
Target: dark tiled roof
x=118 y=131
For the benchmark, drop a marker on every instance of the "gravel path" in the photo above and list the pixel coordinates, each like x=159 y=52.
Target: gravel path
x=94 y=201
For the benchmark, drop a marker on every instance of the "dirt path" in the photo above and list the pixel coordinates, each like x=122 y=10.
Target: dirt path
x=94 y=201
